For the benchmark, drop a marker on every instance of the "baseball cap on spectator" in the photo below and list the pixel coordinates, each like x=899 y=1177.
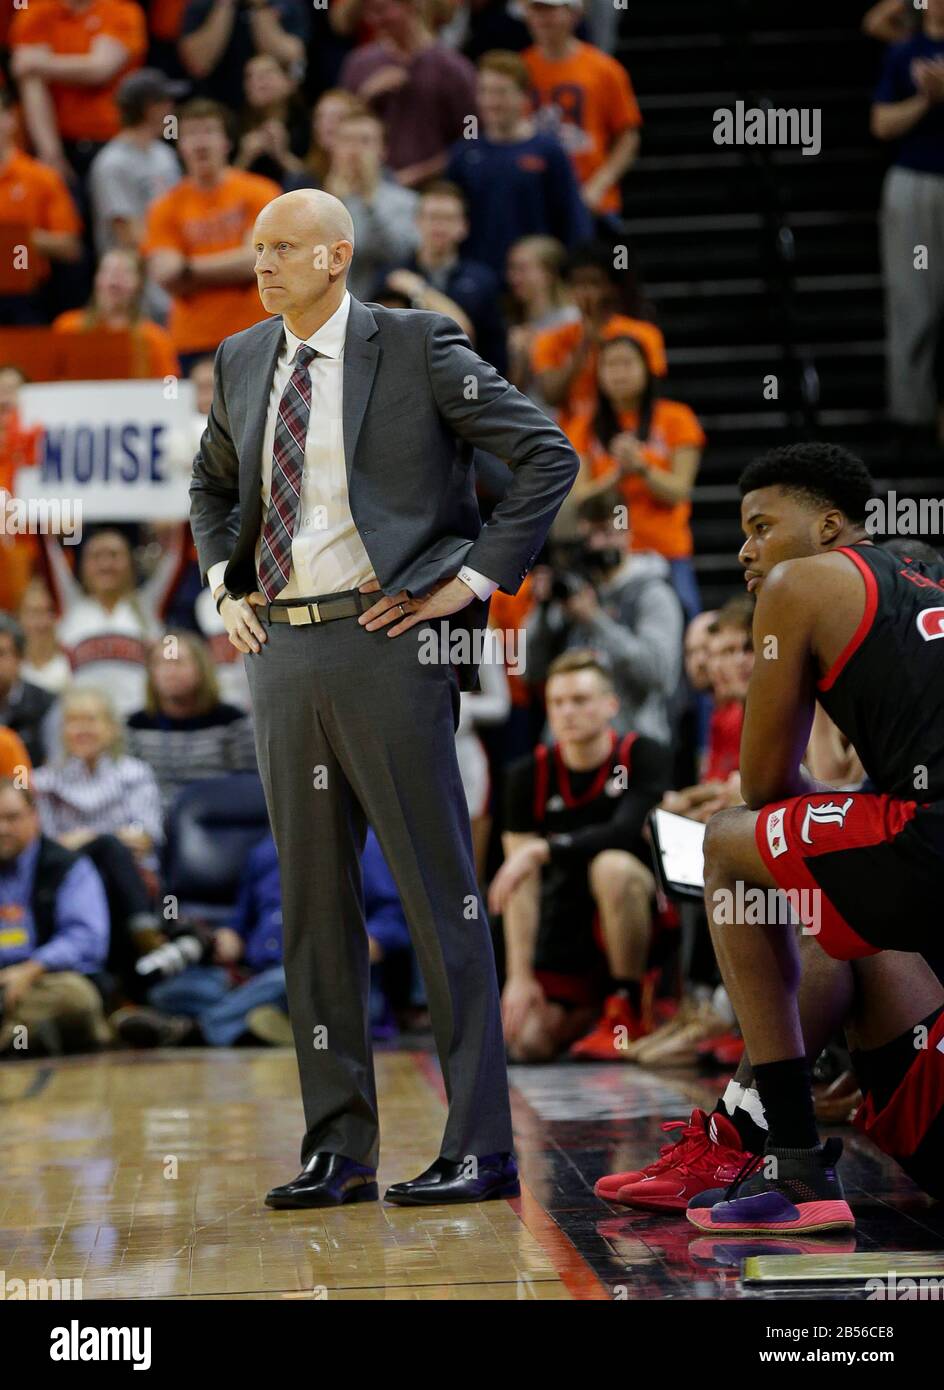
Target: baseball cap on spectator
x=145 y=88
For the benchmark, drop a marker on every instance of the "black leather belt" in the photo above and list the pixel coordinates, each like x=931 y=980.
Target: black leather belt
x=302 y=611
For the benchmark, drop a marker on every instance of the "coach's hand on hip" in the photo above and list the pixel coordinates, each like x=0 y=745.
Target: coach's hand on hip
x=404 y=612
x=243 y=628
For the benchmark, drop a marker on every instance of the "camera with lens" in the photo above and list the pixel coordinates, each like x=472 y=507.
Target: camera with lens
x=575 y=564
x=189 y=944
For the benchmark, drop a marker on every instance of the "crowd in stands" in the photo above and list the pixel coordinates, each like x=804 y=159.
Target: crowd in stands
x=908 y=114
x=486 y=154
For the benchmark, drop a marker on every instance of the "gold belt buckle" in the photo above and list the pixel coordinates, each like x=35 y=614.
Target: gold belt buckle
x=301 y=616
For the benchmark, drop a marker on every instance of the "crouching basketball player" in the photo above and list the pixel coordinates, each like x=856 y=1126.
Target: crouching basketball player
x=576 y=890
x=854 y=626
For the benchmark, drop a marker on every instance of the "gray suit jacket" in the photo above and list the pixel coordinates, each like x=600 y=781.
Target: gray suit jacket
x=417 y=402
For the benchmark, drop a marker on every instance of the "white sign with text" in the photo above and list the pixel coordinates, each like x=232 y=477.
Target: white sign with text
x=113 y=445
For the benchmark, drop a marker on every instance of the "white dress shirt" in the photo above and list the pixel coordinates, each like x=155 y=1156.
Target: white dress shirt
x=328 y=555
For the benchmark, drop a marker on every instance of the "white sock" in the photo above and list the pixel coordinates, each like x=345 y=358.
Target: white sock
x=751 y=1102
x=732 y=1096
x=748 y=1099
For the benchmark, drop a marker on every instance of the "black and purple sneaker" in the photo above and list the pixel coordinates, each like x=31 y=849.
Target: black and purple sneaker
x=803 y=1192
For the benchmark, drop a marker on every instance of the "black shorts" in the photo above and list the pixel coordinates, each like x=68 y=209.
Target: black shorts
x=568 y=954
x=871 y=866
x=902 y=1109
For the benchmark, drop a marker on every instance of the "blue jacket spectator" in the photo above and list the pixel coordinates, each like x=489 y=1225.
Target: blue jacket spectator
x=258 y=914
x=518 y=181
x=53 y=935
x=53 y=909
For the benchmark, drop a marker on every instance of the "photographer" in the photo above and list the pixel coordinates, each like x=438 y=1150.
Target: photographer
x=220 y=985
x=575 y=889
x=213 y=980
x=618 y=602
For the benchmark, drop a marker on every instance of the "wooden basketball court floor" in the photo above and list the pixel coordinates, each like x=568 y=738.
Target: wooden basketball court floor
x=143 y=1174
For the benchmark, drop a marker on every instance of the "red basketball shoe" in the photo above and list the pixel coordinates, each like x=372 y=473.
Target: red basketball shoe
x=619 y=1024
x=707 y=1154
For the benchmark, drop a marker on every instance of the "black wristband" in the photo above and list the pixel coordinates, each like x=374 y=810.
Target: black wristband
x=219 y=601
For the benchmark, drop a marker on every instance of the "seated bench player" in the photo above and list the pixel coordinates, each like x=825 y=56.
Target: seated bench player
x=576 y=890
x=854 y=626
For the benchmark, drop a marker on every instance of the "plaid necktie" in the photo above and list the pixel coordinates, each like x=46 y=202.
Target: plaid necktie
x=288 y=461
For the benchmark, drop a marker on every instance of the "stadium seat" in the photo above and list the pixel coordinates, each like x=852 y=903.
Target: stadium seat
x=210 y=829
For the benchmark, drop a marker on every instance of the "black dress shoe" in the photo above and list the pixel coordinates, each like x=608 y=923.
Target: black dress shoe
x=327 y=1180
x=446 y=1181
x=139 y=1026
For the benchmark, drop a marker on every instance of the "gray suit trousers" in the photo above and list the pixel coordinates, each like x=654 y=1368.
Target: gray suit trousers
x=351 y=727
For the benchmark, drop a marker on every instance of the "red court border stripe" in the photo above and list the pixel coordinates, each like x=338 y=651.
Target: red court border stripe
x=571 y=1268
